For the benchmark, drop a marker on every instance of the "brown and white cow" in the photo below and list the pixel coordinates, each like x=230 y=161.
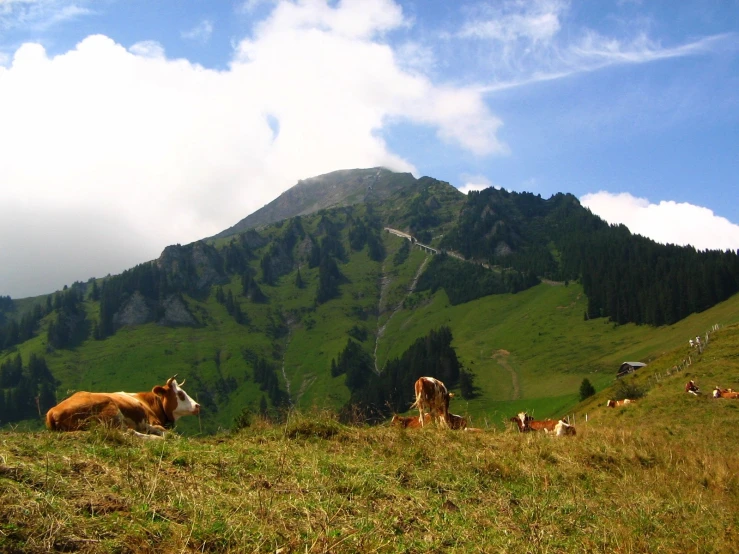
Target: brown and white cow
x=457 y=422
x=527 y=423
x=692 y=388
x=563 y=429
x=725 y=393
x=432 y=396
x=409 y=422
x=147 y=414
x=619 y=403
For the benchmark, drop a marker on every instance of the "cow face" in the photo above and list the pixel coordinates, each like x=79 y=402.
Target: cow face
x=176 y=401
x=522 y=419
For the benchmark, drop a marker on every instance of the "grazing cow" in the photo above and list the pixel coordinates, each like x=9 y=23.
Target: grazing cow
x=409 y=422
x=619 y=403
x=431 y=395
x=145 y=413
x=692 y=388
x=457 y=422
x=725 y=393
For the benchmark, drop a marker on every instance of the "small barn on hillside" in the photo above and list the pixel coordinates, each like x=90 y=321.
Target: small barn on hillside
x=629 y=367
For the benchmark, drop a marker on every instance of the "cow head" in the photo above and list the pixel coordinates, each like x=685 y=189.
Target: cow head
x=522 y=419
x=176 y=401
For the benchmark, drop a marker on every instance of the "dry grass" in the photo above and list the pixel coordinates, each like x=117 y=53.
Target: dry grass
x=313 y=485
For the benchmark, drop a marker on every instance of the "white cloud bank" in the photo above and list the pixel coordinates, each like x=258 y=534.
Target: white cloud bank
x=666 y=222
x=139 y=151
x=475 y=182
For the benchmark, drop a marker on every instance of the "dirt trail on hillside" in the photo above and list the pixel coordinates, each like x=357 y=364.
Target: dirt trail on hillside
x=385 y=283
x=501 y=356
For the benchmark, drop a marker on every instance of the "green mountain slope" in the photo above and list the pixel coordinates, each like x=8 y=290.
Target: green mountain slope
x=257 y=320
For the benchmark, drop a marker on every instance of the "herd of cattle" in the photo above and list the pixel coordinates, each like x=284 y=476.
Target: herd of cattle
x=150 y=414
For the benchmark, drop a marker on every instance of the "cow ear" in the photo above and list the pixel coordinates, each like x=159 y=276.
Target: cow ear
x=159 y=390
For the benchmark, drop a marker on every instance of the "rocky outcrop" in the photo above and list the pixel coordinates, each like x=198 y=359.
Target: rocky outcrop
x=194 y=267
x=135 y=311
x=176 y=312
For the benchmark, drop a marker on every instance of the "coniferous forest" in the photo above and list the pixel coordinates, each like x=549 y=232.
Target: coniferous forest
x=627 y=278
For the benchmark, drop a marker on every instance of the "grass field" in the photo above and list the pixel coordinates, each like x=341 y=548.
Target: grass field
x=659 y=476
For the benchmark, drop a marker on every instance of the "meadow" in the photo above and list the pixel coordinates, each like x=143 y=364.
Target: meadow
x=659 y=476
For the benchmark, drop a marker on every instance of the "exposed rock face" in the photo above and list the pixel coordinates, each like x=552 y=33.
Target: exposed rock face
x=193 y=267
x=176 y=312
x=136 y=311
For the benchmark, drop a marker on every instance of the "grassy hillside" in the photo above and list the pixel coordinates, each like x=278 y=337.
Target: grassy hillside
x=528 y=351
x=658 y=476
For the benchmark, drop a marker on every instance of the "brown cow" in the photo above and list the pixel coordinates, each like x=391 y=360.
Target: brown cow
x=409 y=422
x=145 y=413
x=692 y=388
x=432 y=396
x=725 y=393
x=527 y=423
x=619 y=403
x=457 y=422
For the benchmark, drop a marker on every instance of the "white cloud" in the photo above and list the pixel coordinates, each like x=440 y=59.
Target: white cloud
x=532 y=21
x=200 y=33
x=475 y=182
x=667 y=222
x=167 y=151
x=533 y=41
x=39 y=15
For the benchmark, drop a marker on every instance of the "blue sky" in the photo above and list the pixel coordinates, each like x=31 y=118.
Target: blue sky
x=126 y=126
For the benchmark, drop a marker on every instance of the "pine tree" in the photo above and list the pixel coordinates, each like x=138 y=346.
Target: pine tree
x=586 y=389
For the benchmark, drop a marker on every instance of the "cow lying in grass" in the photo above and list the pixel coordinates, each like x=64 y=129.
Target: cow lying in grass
x=409 y=422
x=413 y=422
x=725 y=393
x=146 y=414
x=527 y=423
x=692 y=388
x=457 y=422
x=619 y=403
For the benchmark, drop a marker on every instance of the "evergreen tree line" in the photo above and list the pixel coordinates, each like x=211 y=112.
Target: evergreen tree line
x=233 y=307
x=15 y=332
x=26 y=392
x=377 y=397
x=464 y=282
x=265 y=374
x=630 y=279
x=627 y=278
x=70 y=316
x=69 y=320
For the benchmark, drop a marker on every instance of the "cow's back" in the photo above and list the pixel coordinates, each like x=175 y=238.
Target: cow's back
x=75 y=412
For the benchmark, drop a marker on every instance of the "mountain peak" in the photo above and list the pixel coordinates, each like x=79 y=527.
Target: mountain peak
x=345 y=187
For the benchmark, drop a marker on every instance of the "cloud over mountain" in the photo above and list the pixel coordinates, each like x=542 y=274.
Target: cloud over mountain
x=173 y=151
